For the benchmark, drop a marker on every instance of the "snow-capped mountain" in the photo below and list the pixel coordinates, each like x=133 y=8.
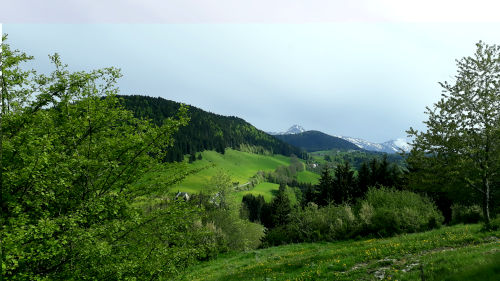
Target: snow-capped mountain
x=397 y=145
x=295 y=129
x=391 y=146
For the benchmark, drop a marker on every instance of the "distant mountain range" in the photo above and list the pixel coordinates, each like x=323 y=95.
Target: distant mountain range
x=391 y=146
x=316 y=141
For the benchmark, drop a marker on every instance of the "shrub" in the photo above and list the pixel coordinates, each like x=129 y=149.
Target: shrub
x=388 y=211
x=495 y=223
x=466 y=214
x=384 y=212
x=313 y=224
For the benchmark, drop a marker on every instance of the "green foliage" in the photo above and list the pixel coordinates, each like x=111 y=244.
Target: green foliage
x=313 y=224
x=388 y=211
x=280 y=207
x=495 y=224
x=344 y=184
x=445 y=252
x=383 y=212
x=222 y=211
x=73 y=161
x=338 y=189
x=462 y=140
x=254 y=206
x=355 y=157
x=465 y=214
x=208 y=131
x=286 y=174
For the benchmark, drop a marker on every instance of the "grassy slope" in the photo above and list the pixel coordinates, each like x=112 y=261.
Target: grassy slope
x=268 y=191
x=455 y=252
x=264 y=188
x=308 y=176
x=239 y=165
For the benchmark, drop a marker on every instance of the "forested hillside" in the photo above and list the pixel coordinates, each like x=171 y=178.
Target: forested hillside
x=207 y=131
x=315 y=141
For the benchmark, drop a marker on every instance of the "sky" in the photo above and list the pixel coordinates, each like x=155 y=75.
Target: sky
x=364 y=69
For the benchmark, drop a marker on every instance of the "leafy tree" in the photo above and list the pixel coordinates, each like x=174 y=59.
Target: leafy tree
x=222 y=210
x=71 y=160
x=461 y=145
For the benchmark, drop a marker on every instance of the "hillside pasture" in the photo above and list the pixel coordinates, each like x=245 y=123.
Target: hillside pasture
x=449 y=253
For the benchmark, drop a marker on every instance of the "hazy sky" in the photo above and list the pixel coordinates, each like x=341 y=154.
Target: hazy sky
x=359 y=71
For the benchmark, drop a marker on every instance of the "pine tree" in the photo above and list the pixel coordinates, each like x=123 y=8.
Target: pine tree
x=344 y=183
x=325 y=188
x=363 y=181
x=280 y=207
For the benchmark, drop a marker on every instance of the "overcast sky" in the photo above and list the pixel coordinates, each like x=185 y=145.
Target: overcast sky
x=360 y=70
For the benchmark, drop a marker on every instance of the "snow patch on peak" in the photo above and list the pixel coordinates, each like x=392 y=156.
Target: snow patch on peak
x=295 y=129
x=392 y=146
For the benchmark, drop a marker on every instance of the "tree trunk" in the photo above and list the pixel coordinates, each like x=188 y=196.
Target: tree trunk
x=486 y=201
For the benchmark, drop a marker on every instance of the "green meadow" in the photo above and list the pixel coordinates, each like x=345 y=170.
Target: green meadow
x=461 y=252
x=308 y=176
x=241 y=166
x=264 y=188
x=268 y=191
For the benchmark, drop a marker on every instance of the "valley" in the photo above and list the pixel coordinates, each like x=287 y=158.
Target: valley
x=101 y=186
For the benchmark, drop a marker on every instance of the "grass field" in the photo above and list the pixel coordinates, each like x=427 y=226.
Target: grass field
x=264 y=188
x=308 y=176
x=239 y=165
x=459 y=252
x=268 y=191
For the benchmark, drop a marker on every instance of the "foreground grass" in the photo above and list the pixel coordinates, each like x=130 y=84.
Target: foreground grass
x=460 y=252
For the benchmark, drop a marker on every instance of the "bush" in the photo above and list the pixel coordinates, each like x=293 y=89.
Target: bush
x=387 y=211
x=313 y=224
x=384 y=212
x=235 y=233
x=466 y=214
x=494 y=224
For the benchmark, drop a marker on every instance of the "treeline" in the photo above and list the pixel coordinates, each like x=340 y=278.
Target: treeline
x=345 y=186
x=341 y=205
x=357 y=158
x=207 y=131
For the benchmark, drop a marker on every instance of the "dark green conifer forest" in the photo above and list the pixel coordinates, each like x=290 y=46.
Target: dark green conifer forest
x=206 y=131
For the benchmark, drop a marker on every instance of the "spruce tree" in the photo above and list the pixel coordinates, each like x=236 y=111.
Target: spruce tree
x=325 y=188
x=343 y=183
x=280 y=207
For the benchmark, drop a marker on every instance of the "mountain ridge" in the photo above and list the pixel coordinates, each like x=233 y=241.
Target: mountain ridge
x=206 y=130
x=316 y=140
x=391 y=146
